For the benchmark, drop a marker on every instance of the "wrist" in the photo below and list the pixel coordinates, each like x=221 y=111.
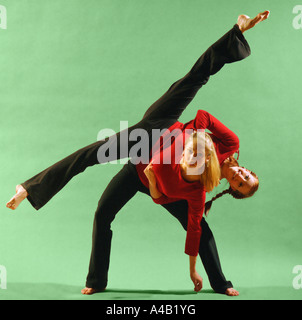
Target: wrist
x=192 y=264
x=192 y=270
x=152 y=184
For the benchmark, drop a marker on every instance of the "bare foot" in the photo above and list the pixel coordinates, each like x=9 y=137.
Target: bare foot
x=90 y=291
x=245 y=22
x=20 y=195
x=231 y=292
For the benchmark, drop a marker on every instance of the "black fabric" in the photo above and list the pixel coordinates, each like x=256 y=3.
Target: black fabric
x=160 y=115
x=124 y=185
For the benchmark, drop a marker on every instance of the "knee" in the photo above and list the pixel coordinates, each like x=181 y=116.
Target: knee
x=103 y=217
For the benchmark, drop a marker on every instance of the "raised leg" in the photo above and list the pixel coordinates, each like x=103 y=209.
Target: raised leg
x=43 y=186
x=162 y=114
x=229 y=48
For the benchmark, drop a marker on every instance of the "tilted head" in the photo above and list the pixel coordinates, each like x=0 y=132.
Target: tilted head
x=243 y=183
x=200 y=158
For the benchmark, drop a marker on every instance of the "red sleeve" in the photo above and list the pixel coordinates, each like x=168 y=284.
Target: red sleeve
x=195 y=212
x=163 y=200
x=228 y=139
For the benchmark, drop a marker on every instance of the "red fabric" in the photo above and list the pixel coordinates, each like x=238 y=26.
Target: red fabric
x=168 y=176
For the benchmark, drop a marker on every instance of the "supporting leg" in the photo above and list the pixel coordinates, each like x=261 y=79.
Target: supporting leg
x=118 y=192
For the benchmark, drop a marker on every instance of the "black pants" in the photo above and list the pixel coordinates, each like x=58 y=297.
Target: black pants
x=124 y=185
x=160 y=115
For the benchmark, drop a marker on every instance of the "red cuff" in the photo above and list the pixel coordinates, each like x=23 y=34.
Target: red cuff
x=192 y=243
x=163 y=200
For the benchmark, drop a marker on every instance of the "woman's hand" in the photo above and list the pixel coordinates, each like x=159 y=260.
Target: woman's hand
x=154 y=192
x=197 y=280
x=150 y=174
x=195 y=277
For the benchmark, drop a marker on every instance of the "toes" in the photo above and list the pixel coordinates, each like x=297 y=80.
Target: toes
x=88 y=291
x=264 y=15
x=84 y=291
x=11 y=204
x=232 y=292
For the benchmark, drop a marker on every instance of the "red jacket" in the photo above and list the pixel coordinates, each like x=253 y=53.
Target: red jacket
x=168 y=176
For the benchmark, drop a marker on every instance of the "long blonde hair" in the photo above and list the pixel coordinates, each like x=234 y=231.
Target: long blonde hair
x=211 y=175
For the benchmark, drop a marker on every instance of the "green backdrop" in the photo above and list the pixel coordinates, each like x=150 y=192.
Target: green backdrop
x=72 y=68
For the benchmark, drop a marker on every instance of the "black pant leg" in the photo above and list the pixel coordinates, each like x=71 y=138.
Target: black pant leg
x=119 y=191
x=231 y=47
x=162 y=114
x=207 y=247
x=210 y=259
x=44 y=185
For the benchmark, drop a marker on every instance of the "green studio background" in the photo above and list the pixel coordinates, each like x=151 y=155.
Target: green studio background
x=72 y=68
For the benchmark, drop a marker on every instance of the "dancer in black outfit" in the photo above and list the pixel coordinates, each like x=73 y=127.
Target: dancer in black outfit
x=162 y=114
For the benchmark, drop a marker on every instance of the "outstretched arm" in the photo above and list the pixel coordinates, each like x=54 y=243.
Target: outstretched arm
x=156 y=194
x=195 y=277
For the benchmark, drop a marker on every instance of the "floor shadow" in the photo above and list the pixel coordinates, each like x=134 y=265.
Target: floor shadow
x=55 y=291
x=155 y=292
x=51 y=291
x=152 y=294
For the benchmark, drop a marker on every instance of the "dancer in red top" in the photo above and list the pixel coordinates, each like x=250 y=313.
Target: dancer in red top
x=170 y=181
x=164 y=113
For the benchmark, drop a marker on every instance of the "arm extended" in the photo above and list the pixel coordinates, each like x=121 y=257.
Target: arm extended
x=156 y=194
x=195 y=277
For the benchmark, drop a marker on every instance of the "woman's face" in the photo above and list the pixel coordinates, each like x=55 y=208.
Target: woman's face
x=241 y=179
x=194 y=158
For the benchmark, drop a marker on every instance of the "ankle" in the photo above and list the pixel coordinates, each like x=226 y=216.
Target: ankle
x=22 y=191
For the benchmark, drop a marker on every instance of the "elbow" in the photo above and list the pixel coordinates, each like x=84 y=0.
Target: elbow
x=236 y=142
x=159 y=200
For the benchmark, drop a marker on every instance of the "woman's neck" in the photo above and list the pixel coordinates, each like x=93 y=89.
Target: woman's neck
x=225 y=168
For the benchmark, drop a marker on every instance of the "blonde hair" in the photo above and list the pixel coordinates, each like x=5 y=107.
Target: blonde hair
x=211 y=175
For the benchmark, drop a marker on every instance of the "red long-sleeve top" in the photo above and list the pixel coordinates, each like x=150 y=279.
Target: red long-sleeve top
x=168 y=176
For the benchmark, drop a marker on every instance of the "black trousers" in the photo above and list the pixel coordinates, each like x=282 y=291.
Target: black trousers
x=160 y=115
x=124 y=185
